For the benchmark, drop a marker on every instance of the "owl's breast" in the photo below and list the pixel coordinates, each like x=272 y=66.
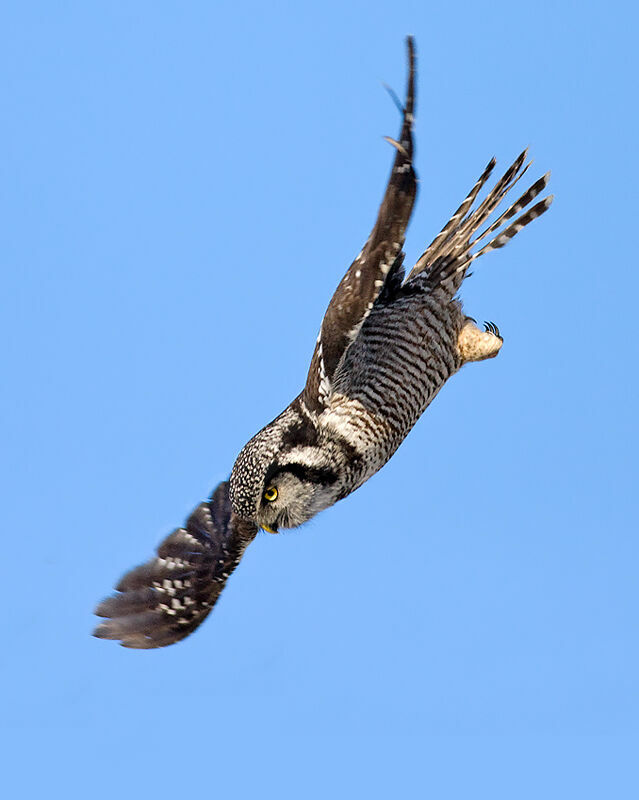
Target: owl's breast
x=403 y=355
x=366 y=438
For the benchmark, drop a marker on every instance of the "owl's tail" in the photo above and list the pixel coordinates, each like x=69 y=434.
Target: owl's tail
x=446 y=260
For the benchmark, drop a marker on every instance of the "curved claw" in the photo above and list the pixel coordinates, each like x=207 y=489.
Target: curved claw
x=490 y=327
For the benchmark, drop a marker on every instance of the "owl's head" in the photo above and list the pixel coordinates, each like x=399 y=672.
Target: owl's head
x=281 y=479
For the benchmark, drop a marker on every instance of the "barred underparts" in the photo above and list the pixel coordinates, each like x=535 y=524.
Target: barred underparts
x=386 y=346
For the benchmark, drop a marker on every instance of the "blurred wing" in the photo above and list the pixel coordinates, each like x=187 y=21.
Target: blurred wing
x=162 y=601
x=366 y=277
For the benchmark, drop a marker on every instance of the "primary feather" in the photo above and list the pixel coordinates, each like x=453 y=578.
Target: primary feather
x=385 y=348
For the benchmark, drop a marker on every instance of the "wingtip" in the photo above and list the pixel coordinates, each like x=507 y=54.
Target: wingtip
x=104 y=631
x=101 y=610
x=409 y=109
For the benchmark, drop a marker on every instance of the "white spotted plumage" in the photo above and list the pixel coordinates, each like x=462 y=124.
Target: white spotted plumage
x=386 y=346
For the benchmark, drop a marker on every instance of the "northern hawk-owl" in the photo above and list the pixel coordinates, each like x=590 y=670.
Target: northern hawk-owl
x=386 y=346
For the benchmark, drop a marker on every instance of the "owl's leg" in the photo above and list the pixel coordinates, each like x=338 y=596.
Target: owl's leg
x=477 y=345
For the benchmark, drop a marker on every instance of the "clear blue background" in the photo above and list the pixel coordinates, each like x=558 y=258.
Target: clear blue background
x=182 y=187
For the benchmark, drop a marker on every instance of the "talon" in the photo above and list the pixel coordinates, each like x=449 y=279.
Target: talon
x=472 y=319
x=476 y=346
x=490 y=327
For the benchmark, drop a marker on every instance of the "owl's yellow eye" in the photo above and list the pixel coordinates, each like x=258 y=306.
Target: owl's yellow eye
x=270 y=494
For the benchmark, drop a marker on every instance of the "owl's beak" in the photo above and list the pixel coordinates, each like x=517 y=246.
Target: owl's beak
x=269 y=530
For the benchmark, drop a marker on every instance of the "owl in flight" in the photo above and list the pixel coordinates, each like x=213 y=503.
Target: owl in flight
x=386 y=346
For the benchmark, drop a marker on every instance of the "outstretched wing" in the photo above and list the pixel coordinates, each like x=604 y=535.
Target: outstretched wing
x=366 y=277
x=162 y=601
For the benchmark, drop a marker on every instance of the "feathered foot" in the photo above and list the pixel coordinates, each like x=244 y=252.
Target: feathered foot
x=477 y=345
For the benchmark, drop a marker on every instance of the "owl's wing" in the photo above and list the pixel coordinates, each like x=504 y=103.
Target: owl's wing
x=366 y=277
x=162 y=601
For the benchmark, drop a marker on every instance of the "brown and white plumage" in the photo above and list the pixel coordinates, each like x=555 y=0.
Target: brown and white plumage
x=385 y=348
x=164 y=600
x=364 y=281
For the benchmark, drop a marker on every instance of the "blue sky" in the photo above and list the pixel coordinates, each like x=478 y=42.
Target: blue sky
x=182 y=187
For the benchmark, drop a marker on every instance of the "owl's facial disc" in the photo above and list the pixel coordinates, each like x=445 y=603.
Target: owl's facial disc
x=269 y=496
x=292 y=494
